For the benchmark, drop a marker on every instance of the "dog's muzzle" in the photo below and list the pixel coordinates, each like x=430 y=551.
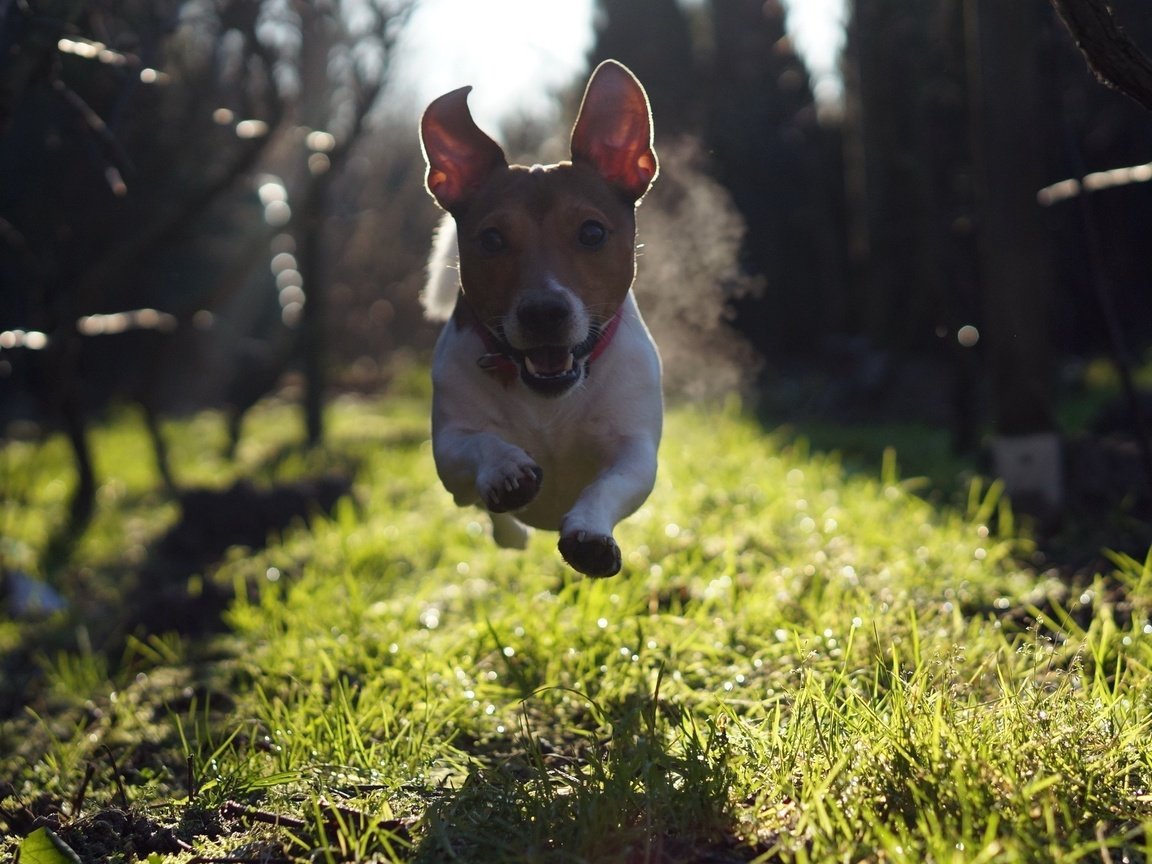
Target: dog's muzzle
x=550 y=370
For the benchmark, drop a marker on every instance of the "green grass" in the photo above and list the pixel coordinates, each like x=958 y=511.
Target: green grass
x=798 y=664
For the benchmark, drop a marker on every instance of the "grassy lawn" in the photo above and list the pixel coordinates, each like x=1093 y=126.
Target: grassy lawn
x=799 y=663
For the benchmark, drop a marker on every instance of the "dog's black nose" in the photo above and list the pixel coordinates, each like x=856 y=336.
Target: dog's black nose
x=544 y=315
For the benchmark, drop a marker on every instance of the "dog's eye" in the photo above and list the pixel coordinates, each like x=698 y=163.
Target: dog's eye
x=491 y=240
x=592 y=234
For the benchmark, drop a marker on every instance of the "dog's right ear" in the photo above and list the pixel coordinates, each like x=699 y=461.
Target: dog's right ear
x=613 y=131
x=459 y=155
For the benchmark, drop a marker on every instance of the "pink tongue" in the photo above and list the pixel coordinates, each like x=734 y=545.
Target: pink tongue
x=549 y=360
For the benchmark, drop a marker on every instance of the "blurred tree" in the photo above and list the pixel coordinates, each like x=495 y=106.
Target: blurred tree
x=653 y=39
x=1117 y=62
x=101 y=165
x=28 y=47
x=1014 y=258
x=344 y=58
x=916 y=78
x=136 y=133
x=1088 y=129
x=775 y=161
x=908 y=171
x=725 y=73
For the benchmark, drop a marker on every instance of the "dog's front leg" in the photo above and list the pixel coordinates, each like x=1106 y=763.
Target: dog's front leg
x=586 y=540
x=482 y=468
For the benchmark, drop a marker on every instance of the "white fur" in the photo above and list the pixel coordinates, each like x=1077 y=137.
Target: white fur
x=443 y=286
x=595 y=445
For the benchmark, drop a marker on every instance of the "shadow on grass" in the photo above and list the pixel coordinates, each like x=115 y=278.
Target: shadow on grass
x=212 y=522
x=171 y=591
x=1108 y=501
x=648 y=785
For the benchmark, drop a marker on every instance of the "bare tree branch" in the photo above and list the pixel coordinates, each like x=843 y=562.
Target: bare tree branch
x=1113 y=58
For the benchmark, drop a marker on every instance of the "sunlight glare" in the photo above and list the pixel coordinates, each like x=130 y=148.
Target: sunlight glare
x=511 y=52
x=816 y=27
x=516 y=56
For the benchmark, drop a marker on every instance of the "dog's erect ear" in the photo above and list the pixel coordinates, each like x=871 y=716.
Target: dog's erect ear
x=614 y=130
x=459 y=155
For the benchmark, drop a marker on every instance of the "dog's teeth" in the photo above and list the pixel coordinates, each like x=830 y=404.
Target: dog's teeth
x=568 y=364
x=530 y=365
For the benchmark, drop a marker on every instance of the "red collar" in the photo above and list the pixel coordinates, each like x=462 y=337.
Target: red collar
x=497 y=360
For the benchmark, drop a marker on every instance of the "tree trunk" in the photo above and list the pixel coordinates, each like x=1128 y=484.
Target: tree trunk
x=1012 y=250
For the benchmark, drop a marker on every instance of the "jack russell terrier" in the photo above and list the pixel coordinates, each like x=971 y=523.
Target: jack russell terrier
x=546 y=406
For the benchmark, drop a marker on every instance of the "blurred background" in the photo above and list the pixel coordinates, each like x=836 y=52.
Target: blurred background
x=869 y=211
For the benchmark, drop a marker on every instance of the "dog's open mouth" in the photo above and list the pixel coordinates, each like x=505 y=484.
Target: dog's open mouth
x=550 y=369
x=548 y=362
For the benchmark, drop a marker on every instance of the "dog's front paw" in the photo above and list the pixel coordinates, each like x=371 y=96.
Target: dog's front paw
x=592 y=554
x=510 y=485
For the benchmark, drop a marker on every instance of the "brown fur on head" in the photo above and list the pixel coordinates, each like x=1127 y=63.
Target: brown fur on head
x=523 y=231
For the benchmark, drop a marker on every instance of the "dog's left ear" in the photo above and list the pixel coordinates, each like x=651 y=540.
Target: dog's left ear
x=613 y=132
x=459 y=155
